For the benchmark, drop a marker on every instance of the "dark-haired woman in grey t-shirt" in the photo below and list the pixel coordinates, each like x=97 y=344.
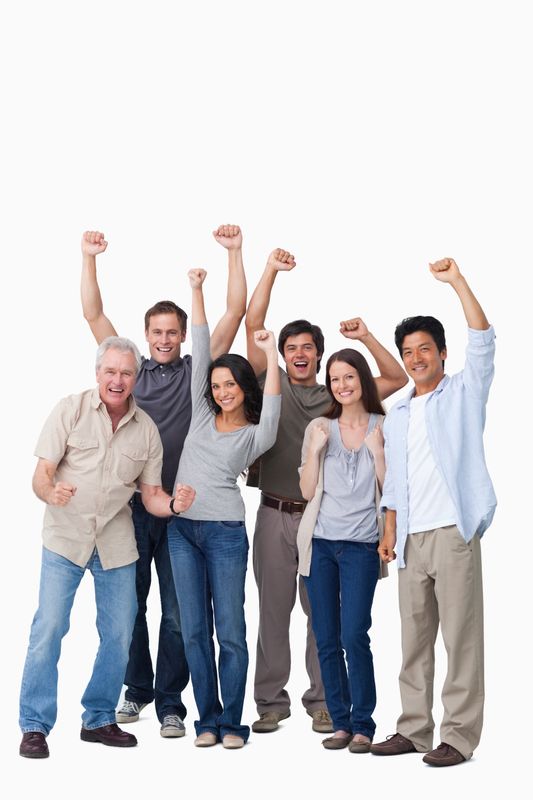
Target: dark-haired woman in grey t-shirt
x=233 y=423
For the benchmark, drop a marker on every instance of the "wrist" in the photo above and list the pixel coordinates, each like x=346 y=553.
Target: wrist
x=172 y=508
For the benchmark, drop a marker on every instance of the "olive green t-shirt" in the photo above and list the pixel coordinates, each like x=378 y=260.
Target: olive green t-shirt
x=277 y=469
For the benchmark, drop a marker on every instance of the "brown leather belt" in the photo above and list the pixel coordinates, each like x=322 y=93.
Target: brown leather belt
x=290 y=506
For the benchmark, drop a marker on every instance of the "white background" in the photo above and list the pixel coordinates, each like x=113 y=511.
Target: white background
x=367 y=138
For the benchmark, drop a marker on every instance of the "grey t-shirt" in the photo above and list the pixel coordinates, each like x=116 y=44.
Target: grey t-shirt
x=348 y=505
x=278 y=467
x=164 y=392
x=211 y=461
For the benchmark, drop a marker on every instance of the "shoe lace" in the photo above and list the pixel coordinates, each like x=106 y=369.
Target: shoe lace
x=322 y=715
x=173 y=719
x=129 y=707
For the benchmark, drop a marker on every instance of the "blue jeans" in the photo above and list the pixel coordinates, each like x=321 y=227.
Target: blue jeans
x=116 y=606
x=209 y=561
x=172 y=672
x=341 y=588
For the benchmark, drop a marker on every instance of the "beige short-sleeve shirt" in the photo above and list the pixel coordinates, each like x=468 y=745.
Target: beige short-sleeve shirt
x=104 y=467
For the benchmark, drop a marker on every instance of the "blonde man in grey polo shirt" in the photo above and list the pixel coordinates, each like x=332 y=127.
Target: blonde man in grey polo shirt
x=93 y=449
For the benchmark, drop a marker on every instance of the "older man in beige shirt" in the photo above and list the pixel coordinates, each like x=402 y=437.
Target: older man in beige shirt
x=94 y=450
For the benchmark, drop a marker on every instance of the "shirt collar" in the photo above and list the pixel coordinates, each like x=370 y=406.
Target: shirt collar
x=151 y=364
x=408 y=397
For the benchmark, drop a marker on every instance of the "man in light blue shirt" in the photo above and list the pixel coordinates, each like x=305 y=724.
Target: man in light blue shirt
x=439 y=500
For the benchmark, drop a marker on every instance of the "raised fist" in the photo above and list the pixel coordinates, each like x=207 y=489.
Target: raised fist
x=353 y=328
x=229 y=236
x=445 y=270
x=265 y=340
x=196 y=277
x=281 y=260
x=93 y=243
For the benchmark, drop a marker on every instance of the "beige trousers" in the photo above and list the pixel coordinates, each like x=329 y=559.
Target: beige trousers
x=275 y=558
x=441 y=583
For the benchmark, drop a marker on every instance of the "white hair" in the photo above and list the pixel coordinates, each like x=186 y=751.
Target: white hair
x=118 y=343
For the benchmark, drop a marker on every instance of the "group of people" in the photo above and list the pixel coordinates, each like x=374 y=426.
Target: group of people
x=144 y=469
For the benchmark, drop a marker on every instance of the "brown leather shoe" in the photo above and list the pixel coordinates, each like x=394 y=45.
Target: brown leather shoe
x=395 y=745
x=444 y=756
x=269 y=721
x=110 y=735
x=33 y=745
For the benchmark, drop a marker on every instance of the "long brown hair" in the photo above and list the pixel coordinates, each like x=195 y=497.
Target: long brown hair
x=369 y=390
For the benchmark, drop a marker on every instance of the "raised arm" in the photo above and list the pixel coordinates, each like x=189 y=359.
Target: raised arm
x=265 y=341
x=391 y=374
x=92 y=244
x=278 y=261
x=447 y=271
x=196 y=279
x=230 y=237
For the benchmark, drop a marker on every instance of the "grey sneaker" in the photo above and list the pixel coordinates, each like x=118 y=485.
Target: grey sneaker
x=129 y=712
x=172 y=727
x=321 y=721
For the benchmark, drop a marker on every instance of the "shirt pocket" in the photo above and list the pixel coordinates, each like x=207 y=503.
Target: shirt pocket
x=81 y=450
x=131 y=461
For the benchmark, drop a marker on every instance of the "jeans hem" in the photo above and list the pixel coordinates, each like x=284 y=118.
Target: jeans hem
x=112 y=721
x=34 y=729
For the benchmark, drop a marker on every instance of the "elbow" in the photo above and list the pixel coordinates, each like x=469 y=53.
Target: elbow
x=306 y=493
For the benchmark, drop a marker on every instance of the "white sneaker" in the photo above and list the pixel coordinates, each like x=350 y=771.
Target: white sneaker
x=129 y=712
x=172 y=726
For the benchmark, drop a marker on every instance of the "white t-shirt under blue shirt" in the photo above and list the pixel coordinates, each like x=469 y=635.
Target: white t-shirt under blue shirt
x=430 y=503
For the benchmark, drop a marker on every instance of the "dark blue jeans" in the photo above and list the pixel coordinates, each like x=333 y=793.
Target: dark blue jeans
x=341 y=587
x=209 y=561
x=172 y=672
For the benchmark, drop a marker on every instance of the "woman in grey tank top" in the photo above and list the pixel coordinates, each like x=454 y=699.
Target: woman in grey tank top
x=342 y=459
x=232 y=424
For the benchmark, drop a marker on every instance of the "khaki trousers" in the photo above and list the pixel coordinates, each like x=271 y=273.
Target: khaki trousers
x=275 y=559
x=441 y=583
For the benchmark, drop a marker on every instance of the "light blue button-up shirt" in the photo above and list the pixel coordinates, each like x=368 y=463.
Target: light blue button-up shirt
x=455 y=419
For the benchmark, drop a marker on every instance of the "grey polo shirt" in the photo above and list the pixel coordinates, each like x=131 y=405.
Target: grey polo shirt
x=164 y=392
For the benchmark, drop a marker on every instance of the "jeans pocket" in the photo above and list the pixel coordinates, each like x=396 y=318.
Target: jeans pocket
x=232 y=524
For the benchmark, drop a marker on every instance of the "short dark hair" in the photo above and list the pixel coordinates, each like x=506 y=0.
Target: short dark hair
x=244 y=376
x=369 y=389
x=413 y=324
x=302 y=326
x=166 y=307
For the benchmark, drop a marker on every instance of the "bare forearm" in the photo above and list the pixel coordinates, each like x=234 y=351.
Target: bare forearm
x=198 y=308
x=260 y=300
x=227 y=327
x=43 y=486
x=156 y=501
x=91 y=301
x=272 y=380
x=475 y=316
x=309 y=475
x=391 y=374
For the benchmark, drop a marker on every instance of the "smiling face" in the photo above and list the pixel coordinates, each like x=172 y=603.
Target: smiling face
x=164 y=336
x=345 y=383
x=301 y=359
x=116 y=379
x=226 y=391
x=423 y=361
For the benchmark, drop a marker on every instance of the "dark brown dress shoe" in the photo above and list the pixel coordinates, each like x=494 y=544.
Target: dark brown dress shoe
x=395 y=745
x=110 y=735
x=33 y=745
x=444 y=756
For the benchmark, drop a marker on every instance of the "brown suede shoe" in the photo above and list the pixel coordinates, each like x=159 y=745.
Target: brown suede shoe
x=444 y=756
x=33 y=745
x=395 y=745
x=269 y=721
x=110 y=735
x=321 y=721
x=336 y=742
